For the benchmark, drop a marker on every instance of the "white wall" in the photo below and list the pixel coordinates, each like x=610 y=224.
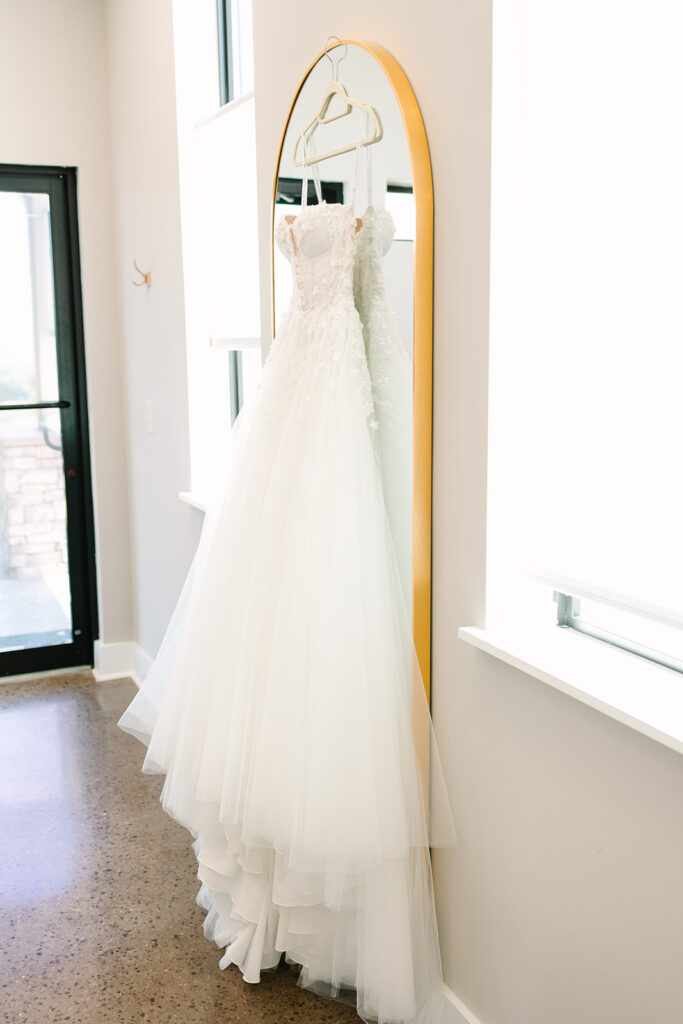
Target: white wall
x=562 y=903
x=164 y=531
x=54 y=111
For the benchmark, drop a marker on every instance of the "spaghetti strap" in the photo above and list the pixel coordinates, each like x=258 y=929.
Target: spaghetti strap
x=368 y=169
x=308 y=148
x=365 y=128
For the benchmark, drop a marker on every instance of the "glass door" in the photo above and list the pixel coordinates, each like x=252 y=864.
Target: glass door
x=47 y=604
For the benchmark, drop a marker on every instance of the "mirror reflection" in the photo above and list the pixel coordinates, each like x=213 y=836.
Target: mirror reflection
x=375 y=177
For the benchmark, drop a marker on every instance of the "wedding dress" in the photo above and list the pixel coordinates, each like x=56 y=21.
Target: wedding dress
x=391 y=376
x=281 y=706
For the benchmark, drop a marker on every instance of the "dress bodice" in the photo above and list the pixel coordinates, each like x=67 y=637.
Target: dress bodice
x=391 y=376
x=320 y=244
x=375 y=239
x=377 y=233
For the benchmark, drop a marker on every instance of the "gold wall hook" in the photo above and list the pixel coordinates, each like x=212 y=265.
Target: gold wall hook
x=146 y=278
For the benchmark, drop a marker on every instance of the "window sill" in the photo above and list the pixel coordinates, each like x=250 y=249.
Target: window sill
x=195 y=500
x=237 y=344
x=635 y=692
x=226 y=108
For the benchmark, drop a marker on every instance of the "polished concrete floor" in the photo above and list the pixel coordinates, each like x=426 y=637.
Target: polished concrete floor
x=98 y=923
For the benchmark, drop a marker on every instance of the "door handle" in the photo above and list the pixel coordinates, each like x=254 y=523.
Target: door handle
x=13 y=406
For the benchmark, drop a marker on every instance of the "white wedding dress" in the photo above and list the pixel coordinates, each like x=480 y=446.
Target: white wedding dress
x=391 y=375
x=281 y=705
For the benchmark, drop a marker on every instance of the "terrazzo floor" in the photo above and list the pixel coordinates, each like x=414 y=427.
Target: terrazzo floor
x=98 y=921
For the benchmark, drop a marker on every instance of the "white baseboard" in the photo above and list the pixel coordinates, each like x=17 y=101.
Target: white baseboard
x=120 y=660
x=460 y=1013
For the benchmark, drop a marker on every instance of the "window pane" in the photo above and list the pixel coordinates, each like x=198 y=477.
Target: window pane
x=586 y=316
x=242 y=46
x=35 y=606
x=659 y=637
x=28 y=352
x=228 y=233
x=401 y=206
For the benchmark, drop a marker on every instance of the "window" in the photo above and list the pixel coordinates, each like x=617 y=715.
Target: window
x=586 y=419
x=400 y=203
x=235 y=78
x=217 y=165
x=235 y=48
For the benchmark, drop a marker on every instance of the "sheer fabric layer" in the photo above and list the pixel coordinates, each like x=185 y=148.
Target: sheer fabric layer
x=391 y=376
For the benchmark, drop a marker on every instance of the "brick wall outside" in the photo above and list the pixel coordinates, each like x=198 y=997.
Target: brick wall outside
x=32 y=508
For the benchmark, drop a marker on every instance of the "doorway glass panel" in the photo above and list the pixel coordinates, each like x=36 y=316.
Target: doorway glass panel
x=35 y=604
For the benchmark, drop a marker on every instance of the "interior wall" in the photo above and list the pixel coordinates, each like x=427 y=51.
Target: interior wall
x=54 y=111
x=563 y=899
x=562 y=902
x=164 y=530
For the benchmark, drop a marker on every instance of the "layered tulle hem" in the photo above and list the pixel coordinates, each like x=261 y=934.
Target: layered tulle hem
x=259 y=913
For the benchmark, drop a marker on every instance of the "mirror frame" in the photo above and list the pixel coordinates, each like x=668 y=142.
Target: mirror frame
x=423 y=286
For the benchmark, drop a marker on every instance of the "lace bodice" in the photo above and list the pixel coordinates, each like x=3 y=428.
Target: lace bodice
x=320 y=244
x=385 y=353
x=322 y=325
x=376 y=236
x=391 y=376
x=374 y=241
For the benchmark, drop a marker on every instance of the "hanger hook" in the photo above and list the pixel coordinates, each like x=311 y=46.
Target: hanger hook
x=335 y=62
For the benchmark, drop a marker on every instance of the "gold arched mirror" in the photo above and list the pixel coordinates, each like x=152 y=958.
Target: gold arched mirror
x=392 y=174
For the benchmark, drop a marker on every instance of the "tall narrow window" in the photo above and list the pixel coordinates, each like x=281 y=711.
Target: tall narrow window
x=586 y=419
x=235 y=78
x=235 y=48
x=218 y=209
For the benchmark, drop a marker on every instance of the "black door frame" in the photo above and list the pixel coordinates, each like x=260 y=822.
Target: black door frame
x=60 y=185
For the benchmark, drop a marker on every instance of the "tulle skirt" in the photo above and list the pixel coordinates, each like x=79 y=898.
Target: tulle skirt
x=281 y=706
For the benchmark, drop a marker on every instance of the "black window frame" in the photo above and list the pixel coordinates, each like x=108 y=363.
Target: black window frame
x=289 y=192
x=226 y=93
x=226 y=81
x=60 y=184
